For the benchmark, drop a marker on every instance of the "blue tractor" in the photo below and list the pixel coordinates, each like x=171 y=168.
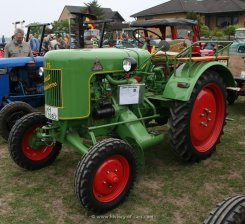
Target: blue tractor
x=21 y=86
x=21 y=89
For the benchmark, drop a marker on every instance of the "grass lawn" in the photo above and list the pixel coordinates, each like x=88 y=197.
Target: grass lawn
x=168 y=191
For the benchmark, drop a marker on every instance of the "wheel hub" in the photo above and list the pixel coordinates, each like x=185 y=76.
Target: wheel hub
x=111 y=178
x=35 y=151
x=207 y=117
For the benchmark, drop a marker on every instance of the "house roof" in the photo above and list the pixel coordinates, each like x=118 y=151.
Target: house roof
x=163 y=22
x=108 y=13
x=199 y=6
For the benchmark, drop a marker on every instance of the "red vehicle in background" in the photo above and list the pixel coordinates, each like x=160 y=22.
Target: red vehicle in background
x=2 y=50
x=177 y=29
x=207 y=49
x=2 y=45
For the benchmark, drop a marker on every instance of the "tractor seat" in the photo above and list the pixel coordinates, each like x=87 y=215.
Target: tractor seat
x=167 y=54
x=176 y=46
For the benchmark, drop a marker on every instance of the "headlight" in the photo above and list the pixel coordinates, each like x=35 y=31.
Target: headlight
x=129 y=64
x=40 y=72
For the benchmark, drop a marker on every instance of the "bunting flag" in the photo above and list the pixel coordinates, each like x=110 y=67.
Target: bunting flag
x=90 y=25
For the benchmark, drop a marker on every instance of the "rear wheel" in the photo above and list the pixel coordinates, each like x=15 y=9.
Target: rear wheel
x=105 y=175
x=10 y=114
x=229 y=211
x=232 y=97
x=196 y=125
x=26 y=149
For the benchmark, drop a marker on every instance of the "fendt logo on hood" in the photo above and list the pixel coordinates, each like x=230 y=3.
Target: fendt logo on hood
x=49 y=85
x=47 y=65
x=97 y=66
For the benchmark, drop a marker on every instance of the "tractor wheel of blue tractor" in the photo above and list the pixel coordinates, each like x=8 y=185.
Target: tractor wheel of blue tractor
x=229 y=211
x=10 y=114
x=105 y=175
x=196 y=125
x=27 y=149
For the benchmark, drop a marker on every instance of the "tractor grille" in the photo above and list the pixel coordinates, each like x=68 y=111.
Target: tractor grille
x=52 y=87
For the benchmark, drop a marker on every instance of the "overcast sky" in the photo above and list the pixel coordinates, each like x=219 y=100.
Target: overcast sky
x=45 y=11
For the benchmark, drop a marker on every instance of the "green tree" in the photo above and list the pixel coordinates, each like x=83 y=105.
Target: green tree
x=217 y=33
x=35 y=29
x=61 y=27
x=95 y=9
x=194 y=16
x=230 y=30
x=204 y=31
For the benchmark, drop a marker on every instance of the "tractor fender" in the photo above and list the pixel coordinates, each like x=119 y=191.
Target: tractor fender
x=181 y=84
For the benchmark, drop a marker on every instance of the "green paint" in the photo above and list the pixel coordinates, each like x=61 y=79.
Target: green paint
x=85 y=86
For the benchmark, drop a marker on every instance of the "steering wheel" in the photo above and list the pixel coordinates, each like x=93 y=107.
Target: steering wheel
x=147 y=33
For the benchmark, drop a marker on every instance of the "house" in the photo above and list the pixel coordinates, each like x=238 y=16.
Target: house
x=213 y=13
x=108 y=14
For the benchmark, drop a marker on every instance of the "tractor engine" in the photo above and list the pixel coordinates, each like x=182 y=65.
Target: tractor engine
x=76 y=82
x=98 y=90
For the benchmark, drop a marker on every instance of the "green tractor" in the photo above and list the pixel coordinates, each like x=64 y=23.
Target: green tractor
x=104 y=103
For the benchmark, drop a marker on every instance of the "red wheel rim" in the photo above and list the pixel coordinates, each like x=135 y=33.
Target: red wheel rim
x=111 y=178
x=35 y=154
x=207 y=117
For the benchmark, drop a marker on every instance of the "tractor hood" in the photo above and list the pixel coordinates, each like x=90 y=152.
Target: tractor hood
x=108 y=58
x=68 y=74
x=20 y=61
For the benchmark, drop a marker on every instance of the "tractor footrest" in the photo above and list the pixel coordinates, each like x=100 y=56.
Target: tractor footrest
x=207 y=58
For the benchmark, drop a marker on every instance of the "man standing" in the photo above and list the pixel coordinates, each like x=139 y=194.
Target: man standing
x=34 y=43
x=17 y=47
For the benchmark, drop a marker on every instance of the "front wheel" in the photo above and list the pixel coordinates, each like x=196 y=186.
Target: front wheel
x=229 y=211
x=26 y=149
x=196 y=125
x=105 y=175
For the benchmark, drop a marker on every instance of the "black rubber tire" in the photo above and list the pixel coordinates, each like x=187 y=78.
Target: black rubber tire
x=179 y=122
x=229 y=211
x=231 y=97
x=17 y=137
x=10 y=114
x=89 y=164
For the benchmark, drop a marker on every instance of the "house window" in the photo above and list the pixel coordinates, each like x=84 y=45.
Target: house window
x=223 y=21
x=148 y=17
x=235 y=20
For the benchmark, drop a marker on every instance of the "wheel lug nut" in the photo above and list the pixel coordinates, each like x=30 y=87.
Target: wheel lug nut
x=209 y=119
x=104 y=182
x=202 y=115
x=207 y=110
x=204 y=124
x=115 y=170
